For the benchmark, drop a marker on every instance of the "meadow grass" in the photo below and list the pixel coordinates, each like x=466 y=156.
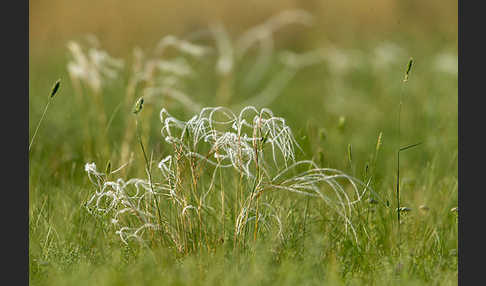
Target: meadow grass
x=342 y=115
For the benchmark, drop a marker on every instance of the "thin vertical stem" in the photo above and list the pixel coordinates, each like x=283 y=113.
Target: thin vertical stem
x=147 y=169
x=398 y=168
x=398 y=200
x=405 y=80
x=38 y=124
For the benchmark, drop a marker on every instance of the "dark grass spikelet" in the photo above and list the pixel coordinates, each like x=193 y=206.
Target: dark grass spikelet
x=350 y=153
x=55 y=88
x=409 y=68
x=108 y=167
x=138 y=106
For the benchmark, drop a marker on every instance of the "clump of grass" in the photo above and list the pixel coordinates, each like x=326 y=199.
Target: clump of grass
x=255 y=148
x=54 y=91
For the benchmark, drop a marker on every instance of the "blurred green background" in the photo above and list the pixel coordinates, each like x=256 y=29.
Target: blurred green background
x=423 y=30
x=123 y=24
x=368 y=43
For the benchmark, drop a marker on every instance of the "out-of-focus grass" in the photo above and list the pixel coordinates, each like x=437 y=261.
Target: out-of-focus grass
x=124 y=24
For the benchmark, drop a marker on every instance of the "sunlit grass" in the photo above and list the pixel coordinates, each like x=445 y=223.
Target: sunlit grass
x=342 y=110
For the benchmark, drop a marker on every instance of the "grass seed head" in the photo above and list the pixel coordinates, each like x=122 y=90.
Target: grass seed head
x=379 y=142
x=55 y=88
x=409 y=68
x=108 y=167
x=350 y=153
x=138 y=106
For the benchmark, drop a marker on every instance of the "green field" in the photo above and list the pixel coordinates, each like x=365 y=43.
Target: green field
x=244 y=224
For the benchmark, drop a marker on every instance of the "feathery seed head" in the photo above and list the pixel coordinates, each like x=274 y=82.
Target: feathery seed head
x=222 y=139
x=404 y=209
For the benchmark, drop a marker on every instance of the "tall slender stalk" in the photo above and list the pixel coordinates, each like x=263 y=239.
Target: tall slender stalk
x=54 y=90
x=136 y=111
x=404 y=82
